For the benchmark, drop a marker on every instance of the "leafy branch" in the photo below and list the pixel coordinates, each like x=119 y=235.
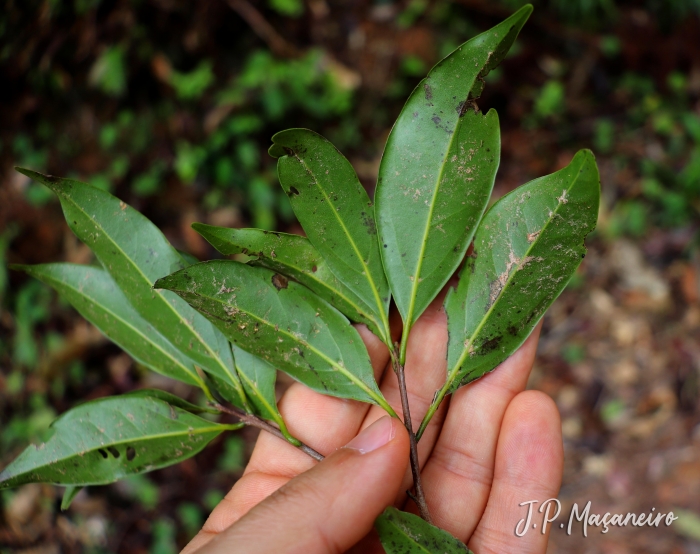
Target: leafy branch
x=226 y=327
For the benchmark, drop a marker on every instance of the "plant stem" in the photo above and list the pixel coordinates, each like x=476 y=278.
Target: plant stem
x=255 y=421
x=434 y=405
x=419 y=497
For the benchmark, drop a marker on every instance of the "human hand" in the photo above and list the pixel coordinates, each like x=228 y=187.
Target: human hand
x=491 y=446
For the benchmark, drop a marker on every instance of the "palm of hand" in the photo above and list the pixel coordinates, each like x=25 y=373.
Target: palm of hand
x=489 y=447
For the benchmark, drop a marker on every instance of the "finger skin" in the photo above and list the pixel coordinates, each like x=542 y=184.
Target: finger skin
x=529 y=466
x=459 y=473
x=326 y=509
x=323 y=422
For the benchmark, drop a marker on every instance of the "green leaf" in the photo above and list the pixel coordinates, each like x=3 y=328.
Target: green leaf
x=136 y=253
x=283 y=323
x=526 y=249
x=437 y=171
x=69 y=495
x=335 y=212
x=102 y=441
x=258 y=378
x=97 y=297
x=172 y=400
x=295 y=257
x=404 y=533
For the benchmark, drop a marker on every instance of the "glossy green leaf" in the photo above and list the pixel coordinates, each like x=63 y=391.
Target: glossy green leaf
x=526 y=249
x=258 y=378
x=295 y=257
x=437 y=171
x=283 y=323
x=335 y=212
x=93 y=292
x=69 y=495
x=404 y=533
x=102 y=441
x=136 y=253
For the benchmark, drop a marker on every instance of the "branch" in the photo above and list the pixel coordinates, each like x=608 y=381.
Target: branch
x=255 y=421
x=419 y=497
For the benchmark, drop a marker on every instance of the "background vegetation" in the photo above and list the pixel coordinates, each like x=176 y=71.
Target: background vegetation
x=171 y=105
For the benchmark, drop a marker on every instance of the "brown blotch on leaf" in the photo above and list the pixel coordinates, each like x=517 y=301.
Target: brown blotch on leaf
x=293 y=191
x=280 y=281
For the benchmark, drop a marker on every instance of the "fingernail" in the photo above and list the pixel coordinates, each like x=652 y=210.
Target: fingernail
x=375 y=436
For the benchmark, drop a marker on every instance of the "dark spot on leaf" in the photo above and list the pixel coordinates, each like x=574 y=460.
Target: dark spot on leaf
x=368 y=222
x=513 y=330
x=583 y=256
x=314 y=269
x=459 y=107
x=428 y=91
x=130 y=453
x=490 y=345
x=293 y=191
x=288 y=151
x=385 y=246
x=113 y=451
x=280 y=281
x=103 y=453
x=435 y=119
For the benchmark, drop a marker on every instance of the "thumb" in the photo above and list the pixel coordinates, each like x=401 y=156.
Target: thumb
x=330 y=507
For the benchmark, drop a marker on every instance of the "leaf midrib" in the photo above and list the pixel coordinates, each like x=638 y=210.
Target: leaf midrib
x=426 y=231
x=368 y=275
x=134 y=329
x=476 y=332
x=212 y=354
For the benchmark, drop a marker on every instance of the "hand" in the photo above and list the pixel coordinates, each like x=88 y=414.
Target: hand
x=491 y=446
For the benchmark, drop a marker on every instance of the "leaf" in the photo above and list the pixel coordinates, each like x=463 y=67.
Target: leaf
x=136 y=253
x=295 y=257
x=404 y=533
x=283 y=323
x=102 y=441
x=93 y=292
x=335 y=212
x=437 y=171
x=526 y=249
x=69 y=495
x=171 y=399
x=258 y=378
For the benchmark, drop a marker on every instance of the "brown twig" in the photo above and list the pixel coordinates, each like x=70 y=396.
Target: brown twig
x=255 y=421
x=419 y=497
x=263 y=29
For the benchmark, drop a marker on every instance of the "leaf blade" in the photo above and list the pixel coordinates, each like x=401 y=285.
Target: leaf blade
x=283 y=323
x=334 y=210
x=293 y=256
x=100 y=442
x=109 y=227
x=404 y=533
x=96 y=296
x=528 y=277
x=439 y=165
